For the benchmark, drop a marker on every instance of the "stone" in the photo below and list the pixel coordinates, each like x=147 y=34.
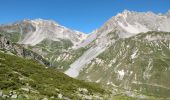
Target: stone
x=88 y=97
x=52 y=97
x=57 y=89
x=25 y=89
x=1 y=93
x=11 y=93
x=83 y=90
x=26 y=96
x=14 y=96
x=5 y=97
x=60 y=96
x=45 y=98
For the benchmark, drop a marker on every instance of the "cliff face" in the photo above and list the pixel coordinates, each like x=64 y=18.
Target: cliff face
x=20 y=51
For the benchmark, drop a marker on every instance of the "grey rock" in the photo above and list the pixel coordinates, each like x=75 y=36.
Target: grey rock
x=5 y=96
x=14 y=96
x=25 y=89
x=83 y=90
x=45 y=98
x=60 y=96
x=1 y=93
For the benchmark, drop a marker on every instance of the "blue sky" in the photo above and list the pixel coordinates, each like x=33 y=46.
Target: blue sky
x=81 y=15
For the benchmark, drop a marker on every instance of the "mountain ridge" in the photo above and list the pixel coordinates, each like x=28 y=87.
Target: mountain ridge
x=125 y=24
x=129 y=53
x=40 y=29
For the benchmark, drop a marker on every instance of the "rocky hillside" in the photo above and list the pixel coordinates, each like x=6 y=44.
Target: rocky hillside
x=125 y=25
x=128 y=52
x=28 y=79
x=33 y=32
x=47 y=38
x=16 y=49
x=139 y=63
x=22 y=79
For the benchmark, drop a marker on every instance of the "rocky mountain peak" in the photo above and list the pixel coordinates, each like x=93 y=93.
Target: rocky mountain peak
x=168 y=11
x=124 y=25
x=168 y=14
x=123 y=14
x=40 y=21
x=34 y=31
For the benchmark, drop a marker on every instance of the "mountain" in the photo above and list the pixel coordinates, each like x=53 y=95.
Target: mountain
x=130 y=51
x=27 y=75
x=138 y=63
x=54 y=42
x=124 y=25
x=128 y=55
x=35 y=31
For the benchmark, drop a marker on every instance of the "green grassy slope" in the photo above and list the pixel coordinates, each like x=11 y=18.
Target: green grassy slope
x=140 y=63
x=59 y=53
x=17 y=73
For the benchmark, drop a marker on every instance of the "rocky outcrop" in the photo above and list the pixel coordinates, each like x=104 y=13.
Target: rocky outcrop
x=19 y=50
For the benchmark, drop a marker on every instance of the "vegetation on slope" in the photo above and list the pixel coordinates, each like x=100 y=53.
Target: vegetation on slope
x=139 y=63
x=59 y=53
x=30 y=79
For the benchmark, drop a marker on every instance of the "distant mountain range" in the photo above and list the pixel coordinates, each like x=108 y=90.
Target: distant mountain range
x=130 y=52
